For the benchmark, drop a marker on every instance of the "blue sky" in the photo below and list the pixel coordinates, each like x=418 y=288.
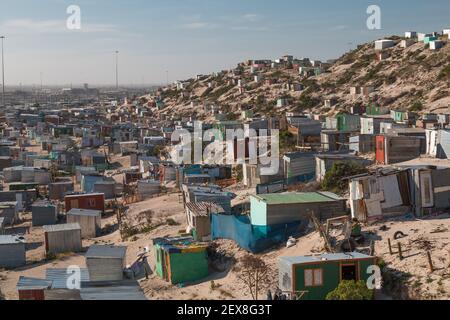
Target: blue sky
x=186 y=37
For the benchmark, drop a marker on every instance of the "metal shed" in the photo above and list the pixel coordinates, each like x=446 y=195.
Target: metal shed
x=363 y=143
x=106 y=187
x=106 y=263
x=299 y=167
x=90 y=221
x=63 y=238
x=44 y=213
x=57 y=190
x=9 y=211
x=32 y=289
x=12 y=252
x=277 y=209
x=115 y=290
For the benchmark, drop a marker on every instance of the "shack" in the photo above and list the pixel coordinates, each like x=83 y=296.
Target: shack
x=44 y=213
x=362 y=143
x=90 y=221
x=106 y=263
x=395 y=149
x=332 y=140
x=62 y=238
x=12 y=251
x=317 y=276
x=9 y=211
x=180 y=260
x=299 y=167
x=198 y=217
x=58 y=190
x=90 y=201
x=32 y=289
x=381 y=195
x=278 y=209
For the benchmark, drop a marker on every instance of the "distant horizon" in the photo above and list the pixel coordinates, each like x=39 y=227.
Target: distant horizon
x=164 y=41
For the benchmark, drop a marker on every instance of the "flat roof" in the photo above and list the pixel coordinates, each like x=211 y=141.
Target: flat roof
x=8 y=239
x=85 y=212
x=297 y=197
x=84 y=195
x=106 y=252
x=112 y=290
x=62 y=227
x=325 y=258
x=26 y=283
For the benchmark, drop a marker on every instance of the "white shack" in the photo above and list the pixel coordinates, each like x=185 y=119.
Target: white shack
x=90 y=221
x=384 y=44
x=62 y=238
x=106 y=263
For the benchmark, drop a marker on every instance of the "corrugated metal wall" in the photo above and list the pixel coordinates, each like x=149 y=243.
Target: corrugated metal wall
x=12 y=255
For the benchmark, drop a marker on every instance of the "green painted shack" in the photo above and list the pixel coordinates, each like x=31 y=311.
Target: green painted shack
x=348 y=122
x=427 y=40
x=319 y=275
x=402 y=116
x=180 y=260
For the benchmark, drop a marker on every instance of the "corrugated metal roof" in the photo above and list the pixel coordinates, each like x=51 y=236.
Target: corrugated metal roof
x=62 y=227
x=43 y=203
x=26 y=283
x=202 y=208
x=123 y=290
x=299 y=155
x=295 y=197
x=84 y=212
x=11 y=239
x=325 y=257
x=106 y=252
x=84 y=195
x=59 y=277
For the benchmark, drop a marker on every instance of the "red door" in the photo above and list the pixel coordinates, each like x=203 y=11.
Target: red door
x=380 y=153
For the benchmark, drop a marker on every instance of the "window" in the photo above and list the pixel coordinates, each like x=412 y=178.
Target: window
x=313 y=277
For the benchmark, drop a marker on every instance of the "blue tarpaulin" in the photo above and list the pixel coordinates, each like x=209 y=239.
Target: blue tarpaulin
x=249 y=237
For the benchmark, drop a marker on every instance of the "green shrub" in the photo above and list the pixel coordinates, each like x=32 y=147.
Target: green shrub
x=333 y=179
x=351 y=290
x=171 y=222
x=416 y=107
x=445 y=73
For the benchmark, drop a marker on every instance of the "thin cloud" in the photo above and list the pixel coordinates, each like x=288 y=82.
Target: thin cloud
x=252 y=17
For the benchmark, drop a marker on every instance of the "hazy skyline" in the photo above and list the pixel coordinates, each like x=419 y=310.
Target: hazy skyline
x=188 y=37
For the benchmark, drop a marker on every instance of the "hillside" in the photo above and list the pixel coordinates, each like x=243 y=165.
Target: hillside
x=414 y=78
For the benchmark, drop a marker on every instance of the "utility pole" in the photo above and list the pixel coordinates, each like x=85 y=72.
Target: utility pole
x=3 y=73
x=117 y=70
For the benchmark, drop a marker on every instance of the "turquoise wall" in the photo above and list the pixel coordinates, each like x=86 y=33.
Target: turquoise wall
x=258 y=212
